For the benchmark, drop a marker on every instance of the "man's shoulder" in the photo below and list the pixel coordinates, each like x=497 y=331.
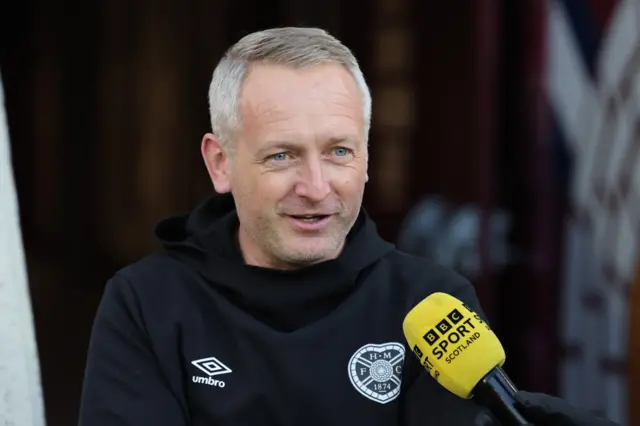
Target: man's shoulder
x=418 y=269
x=156 y=287
x=153 y=272
x=422 y=276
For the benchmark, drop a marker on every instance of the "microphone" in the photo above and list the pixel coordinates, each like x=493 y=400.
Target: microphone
x=463 y=354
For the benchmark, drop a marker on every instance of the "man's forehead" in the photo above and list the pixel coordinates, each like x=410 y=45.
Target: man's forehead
x=278 y=105
x=266 y=84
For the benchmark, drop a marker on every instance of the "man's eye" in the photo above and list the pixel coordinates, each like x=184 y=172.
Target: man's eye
x=281 y=156
x=341 y=152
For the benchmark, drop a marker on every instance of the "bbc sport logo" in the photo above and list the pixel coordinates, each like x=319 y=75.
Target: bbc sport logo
x=451 y=336
x=443 y=327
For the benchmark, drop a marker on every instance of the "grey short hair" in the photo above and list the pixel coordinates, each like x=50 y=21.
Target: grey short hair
x=288 y=46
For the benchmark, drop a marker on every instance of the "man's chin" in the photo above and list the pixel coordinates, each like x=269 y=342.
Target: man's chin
x=310 y=250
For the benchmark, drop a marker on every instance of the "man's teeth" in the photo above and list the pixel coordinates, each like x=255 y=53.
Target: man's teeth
x=309 y=218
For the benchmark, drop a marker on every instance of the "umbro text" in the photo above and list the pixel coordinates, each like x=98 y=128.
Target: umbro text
x=208 y=381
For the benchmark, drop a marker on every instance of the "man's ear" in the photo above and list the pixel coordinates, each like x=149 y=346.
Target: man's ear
x=366 y=170
x=366 y=167
x=218 y=163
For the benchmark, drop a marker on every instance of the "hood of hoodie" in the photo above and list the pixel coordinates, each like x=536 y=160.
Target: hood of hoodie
x=206 y=239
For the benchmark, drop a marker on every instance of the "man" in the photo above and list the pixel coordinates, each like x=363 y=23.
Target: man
x=275 y=303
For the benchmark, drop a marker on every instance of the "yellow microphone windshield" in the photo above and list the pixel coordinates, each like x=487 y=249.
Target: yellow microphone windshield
x=452 y=342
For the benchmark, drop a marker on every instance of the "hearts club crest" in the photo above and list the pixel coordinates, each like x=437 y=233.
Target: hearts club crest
x=375 y=370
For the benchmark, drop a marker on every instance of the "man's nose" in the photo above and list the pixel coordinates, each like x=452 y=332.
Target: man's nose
x=313 y=183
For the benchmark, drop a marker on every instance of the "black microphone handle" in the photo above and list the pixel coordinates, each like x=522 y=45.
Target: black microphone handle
x=496 y=392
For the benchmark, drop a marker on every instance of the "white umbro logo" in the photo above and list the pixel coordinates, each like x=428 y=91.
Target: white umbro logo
x=211 y=367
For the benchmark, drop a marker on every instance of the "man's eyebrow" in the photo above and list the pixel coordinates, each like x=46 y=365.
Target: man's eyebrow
x=277 y=146
x=343 y=139
x=284 y=145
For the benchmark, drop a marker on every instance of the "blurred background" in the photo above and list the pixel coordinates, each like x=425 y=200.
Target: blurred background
x=505 y=144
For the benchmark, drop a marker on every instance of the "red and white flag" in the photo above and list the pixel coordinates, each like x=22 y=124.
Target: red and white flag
x=593 y=87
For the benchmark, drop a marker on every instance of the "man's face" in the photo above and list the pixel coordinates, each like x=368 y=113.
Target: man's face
x=300 y=164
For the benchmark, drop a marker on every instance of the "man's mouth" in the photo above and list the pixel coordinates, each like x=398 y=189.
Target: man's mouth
x=309 y=218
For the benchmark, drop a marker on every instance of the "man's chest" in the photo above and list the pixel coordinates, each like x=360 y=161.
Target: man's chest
x=234 y=376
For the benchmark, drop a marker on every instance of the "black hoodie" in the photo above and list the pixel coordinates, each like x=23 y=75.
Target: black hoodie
x=193 y=336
